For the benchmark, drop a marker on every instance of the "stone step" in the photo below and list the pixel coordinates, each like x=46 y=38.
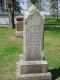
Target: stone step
x=36 y=76
x=27 y=67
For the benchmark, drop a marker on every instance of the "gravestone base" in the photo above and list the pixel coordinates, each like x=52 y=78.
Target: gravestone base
x=19 y=34
x=32 y=66
x=32 y=70
x=35 y=76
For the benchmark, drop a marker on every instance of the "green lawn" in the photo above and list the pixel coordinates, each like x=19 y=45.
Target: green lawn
x=52 y=21
x=52 y=51
x=11 y=47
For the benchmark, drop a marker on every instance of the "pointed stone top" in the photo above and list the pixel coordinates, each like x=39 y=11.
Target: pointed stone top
x=32 y=8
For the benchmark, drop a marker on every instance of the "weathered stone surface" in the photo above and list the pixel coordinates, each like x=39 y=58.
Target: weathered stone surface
x=32 y=66
x=33 y=35
x=19 y=34
x=27 y=67
x=36 y=76
x=17 y=70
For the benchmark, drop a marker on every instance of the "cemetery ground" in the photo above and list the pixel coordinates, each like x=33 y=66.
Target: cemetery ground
x=11 y=47
x=50 y=20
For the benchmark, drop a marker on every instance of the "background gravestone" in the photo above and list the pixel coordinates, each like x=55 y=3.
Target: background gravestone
x=32 y=66
x=19 y=26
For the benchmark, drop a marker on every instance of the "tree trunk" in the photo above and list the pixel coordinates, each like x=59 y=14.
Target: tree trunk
x=11 y=13
x=10 y=18
x=13 y=23
x=57 y=10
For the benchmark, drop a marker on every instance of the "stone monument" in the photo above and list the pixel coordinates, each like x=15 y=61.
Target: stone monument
x=19 y=26
x=32 y=66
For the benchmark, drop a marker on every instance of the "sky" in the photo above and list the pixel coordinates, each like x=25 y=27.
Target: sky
x=23 y=4
x=46 y=7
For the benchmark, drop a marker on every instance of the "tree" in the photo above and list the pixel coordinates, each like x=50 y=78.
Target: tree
x=54 y=8
x=2 y=5
x=17 y=6
x=11 y=13
x=37 y=3
x=13 y=5
x=13 y=24
x=33 y=1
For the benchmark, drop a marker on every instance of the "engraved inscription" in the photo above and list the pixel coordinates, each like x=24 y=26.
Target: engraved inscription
x=34 y=36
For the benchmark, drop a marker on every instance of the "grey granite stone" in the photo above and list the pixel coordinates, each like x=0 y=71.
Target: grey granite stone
x=33 y=35
x=36 y=76
x=27 y=67
x=19 y=34
x=32 y=66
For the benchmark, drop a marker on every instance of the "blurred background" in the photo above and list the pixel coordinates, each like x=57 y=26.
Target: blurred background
x=50 y=8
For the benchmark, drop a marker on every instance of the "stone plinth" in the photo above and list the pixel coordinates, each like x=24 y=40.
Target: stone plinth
x=27 y=67
x=35 y=76
x=32 y=66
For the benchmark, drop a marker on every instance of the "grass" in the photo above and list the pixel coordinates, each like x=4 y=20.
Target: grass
x=11 y=47
x=52 y=51
x=52 y=21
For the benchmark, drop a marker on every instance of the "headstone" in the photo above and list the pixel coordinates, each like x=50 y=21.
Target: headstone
x=33 y=35
x=19 y=26
x=32 y=66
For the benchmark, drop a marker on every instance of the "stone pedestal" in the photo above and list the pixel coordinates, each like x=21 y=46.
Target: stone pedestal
x=33 y=70
x=32 y=66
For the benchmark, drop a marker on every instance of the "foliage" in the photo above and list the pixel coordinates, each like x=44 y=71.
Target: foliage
x=13 y=5
x=17 y=6
x=33 y=1
x=54 y=8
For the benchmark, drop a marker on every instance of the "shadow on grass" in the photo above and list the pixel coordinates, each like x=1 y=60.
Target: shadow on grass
x=49 y=27
x=55 y=73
